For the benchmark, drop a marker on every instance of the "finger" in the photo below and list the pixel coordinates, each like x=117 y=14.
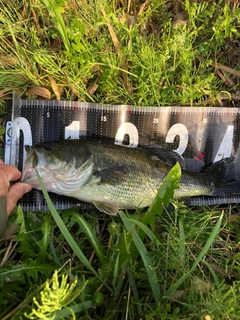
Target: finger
x=16 y=191
x=9 y=172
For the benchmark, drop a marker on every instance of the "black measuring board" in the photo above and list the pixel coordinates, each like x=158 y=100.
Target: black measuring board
x=201 y=135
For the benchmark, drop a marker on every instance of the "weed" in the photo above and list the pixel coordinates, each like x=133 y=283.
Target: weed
x=96 y=51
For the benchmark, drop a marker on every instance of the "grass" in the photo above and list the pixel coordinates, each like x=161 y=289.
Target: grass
x=163 y=263
x=151 y=53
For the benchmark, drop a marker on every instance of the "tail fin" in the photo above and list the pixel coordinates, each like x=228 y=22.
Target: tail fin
x=231 y=189
x=223 y=178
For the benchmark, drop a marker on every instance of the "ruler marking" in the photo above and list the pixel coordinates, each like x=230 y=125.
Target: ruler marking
x=129 y=111
x=75 y=107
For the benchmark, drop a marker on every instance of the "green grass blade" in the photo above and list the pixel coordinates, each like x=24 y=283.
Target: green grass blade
x=217 y=283
x=119 y=286
x=53 y=251
x=181 y=250
x=92 y=238
x=15 y=272
x=74 y=309
x=205 y=249
x=44 y=242
x=56 y=12
x=66 y=233
x=132 y=282
x=115 y=271
x=146 y=230
x=144 y=255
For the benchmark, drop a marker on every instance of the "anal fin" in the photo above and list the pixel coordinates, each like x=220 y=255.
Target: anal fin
x=107 y=207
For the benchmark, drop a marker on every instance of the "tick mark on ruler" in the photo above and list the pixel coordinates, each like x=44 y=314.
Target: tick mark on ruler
x=129 y=111
x=200 y=157
x=180 y=112
x=227 y=114
x=75 y=107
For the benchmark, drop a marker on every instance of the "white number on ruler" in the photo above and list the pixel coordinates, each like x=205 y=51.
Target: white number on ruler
x=72 y=131
x=225 y=148
x=180 y=130
x=155 y=120
x=129 y=129
x=104 y=118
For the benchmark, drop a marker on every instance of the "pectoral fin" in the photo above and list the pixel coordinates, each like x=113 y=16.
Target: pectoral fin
x=107 y=207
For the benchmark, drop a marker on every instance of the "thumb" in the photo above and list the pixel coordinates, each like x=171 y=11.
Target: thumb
x=16 y=191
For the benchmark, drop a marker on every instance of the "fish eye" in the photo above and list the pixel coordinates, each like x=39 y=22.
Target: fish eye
x=48 y=146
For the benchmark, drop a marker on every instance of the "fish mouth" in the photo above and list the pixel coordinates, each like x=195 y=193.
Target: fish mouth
x=29 y=168
x=31 y=164
x=28 y=173
x=29 y=176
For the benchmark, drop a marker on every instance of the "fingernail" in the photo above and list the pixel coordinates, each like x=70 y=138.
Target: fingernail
x=28 y=188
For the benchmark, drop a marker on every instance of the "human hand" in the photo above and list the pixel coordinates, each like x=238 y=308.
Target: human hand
x=13 y=192
x=9 y=194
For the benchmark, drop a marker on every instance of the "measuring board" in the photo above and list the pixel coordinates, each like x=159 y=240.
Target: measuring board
x=201 y=135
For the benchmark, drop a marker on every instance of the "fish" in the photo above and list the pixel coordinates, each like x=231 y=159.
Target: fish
x=114 y=177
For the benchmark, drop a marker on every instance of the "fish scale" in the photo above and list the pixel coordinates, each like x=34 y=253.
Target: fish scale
x=208 y=132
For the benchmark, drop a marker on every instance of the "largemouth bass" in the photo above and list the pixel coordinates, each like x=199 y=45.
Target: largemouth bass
x=113 y=177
